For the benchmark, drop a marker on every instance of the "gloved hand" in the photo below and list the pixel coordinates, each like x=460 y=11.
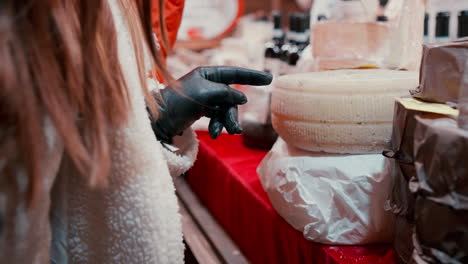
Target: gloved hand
x=205 y=91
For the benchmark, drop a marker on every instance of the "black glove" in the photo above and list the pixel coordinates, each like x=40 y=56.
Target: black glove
x=204 y=91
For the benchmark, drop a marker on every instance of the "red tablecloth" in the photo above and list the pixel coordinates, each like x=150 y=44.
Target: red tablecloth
x=224 y=178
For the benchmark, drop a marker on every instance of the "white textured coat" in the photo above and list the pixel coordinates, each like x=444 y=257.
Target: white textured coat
x=135 y=219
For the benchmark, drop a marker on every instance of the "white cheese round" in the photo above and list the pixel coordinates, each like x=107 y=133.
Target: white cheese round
x=342 y=111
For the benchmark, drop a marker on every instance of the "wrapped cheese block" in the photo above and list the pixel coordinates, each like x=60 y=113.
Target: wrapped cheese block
x=330 y=198
x=403 y=239
x=441 y=151
x=342 y=111
x=442 y=70
x=463 y=101
x=401 y=201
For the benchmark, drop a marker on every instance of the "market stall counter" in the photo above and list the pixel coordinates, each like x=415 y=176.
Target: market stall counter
x=225 y=180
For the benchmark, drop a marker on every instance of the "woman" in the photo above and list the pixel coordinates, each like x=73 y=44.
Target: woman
x=83 y=178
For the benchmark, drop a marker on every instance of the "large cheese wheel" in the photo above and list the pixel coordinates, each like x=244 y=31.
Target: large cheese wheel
x=342 y=111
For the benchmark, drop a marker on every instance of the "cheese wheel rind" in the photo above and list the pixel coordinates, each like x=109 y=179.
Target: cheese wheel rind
x=333 y=137
x=344 y=111
x=326 y=108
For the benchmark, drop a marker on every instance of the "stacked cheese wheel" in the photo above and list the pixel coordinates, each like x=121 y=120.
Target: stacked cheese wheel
x=342 y=111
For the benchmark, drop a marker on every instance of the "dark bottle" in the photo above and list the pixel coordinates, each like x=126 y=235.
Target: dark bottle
x=383 y=2
x=307 y=25
x=286 y=48
x=381 y=17
x=442 y=26
x=257 y=135
x=302 y=40
x=426 y=28
x=273 y=48
x=463 y=24
x=291 y=33
x=278 y=33
x=321 y=17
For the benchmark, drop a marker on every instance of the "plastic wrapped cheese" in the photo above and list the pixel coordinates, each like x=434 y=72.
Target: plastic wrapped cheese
x=395 y=44
x=342 y=111
x=356 y=43
x=330 y=198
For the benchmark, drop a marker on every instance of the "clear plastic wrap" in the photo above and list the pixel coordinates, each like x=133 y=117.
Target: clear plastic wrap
x=331 y=199
x=356 y=40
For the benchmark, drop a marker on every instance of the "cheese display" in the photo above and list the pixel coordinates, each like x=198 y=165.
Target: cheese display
x=368 y=87
x=442 y=83
x=441 y=210
x=330 y=198
x=342 y=111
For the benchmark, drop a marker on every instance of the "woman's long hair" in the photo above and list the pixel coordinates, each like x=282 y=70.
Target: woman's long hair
x=58 y=58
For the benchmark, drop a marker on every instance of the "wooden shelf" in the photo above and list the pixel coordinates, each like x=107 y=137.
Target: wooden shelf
x=207 y=240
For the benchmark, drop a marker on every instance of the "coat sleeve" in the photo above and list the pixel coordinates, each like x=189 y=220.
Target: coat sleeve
x=184 y=155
